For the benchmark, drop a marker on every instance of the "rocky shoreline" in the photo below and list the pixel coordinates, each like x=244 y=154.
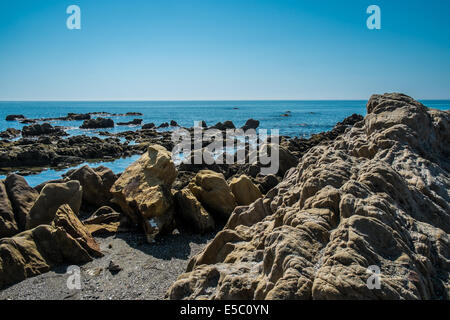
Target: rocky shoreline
x=372 y=191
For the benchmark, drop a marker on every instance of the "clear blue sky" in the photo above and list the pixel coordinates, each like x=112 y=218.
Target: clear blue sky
x=223 y=49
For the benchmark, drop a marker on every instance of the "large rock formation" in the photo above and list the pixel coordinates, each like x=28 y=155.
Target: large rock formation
x=52 y=196
x=143 y=191
x=377 y=197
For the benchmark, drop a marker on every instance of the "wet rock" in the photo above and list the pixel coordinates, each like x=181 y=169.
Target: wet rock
x=377 y=195
x=97 y=123
x=8 y=224
x=173 y=123
x=143 y=191
x=163 y=125
x=13 y=117
x=22 y=198
x=191 y=214
x=58 y=152
x=10 y=133
x=223 y=126
x=213 y=192
x=244 y=190
x=28 y=121
x=148 y=126
x=250 y=124
x=78 y=116
x=132 y=122
x=52 y=196
x=42 y=129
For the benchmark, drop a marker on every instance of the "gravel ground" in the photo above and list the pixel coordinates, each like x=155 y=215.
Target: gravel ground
x=147 y=272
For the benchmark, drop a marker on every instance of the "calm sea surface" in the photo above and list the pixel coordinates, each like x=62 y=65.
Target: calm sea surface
x=306 y=117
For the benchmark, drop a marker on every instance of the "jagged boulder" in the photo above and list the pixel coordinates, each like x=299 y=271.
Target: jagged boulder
x=8 y=224
x=52 y=196
x=22 y=198
x=213 y=192
x=375 y=198
x=143 y=191
x=244 y=190
x=191 y=213
x=13 y=117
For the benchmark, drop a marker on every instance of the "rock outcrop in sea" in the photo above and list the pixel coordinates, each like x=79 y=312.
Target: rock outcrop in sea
x=375 y=198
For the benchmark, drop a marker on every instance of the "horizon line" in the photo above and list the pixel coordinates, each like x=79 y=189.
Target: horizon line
x=196 y=100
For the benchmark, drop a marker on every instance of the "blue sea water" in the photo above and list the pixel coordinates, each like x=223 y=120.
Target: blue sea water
x=306 y=117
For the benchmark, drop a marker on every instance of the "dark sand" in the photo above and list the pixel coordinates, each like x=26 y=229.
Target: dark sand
x=147 y=272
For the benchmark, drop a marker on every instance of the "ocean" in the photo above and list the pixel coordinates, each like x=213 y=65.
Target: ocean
x=305 y=117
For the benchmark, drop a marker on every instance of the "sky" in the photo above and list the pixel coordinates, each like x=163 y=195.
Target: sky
x=223 y=50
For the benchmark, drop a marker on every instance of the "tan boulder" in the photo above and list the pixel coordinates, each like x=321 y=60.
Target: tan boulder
x=191 y=212
x=67 y=219
x=143 y=191
x=8 y=224
x=52 y=196
x=213 y=192
x=244 y=190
